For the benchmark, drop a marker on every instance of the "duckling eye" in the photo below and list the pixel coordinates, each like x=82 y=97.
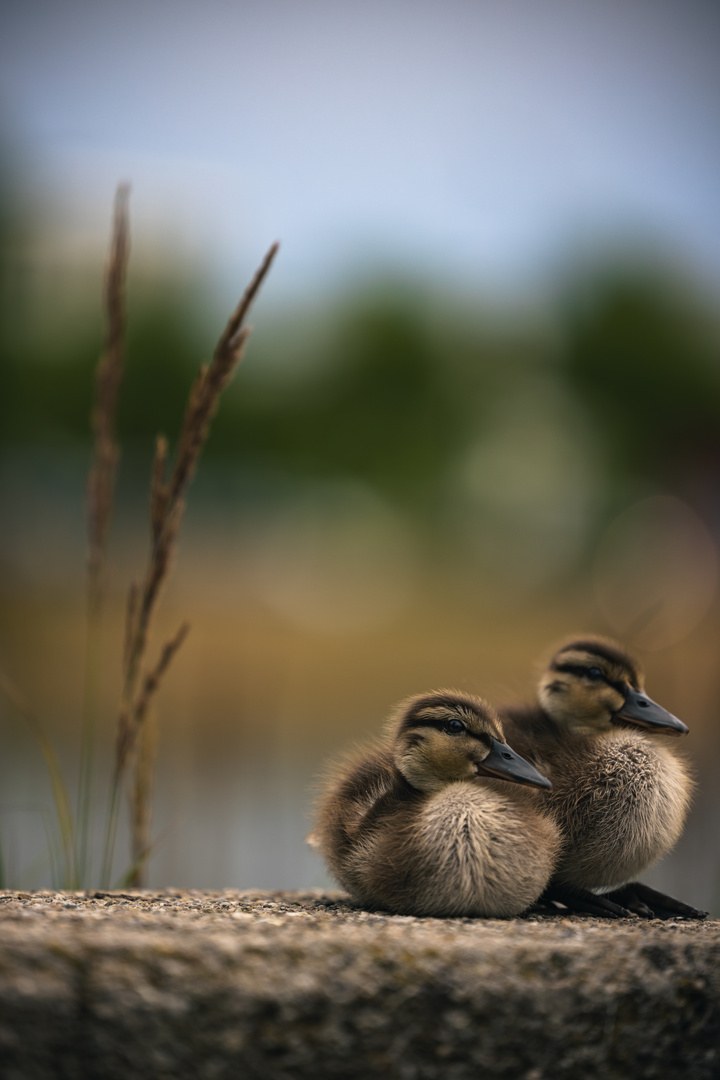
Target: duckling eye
x=594 y=673
x=454 y=727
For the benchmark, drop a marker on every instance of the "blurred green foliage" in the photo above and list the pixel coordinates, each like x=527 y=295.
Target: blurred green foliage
x=47 y=374
x=396 y=384
x=643 y=355
x=378 y=406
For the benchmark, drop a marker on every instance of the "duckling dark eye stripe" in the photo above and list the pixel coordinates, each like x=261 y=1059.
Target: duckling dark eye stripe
x=439 y=724
x=571 y=669
x=578 y=669
x=423 y=721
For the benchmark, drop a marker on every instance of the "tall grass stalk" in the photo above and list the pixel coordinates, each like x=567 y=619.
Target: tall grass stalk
x=100 y=502
x=56 y=869
x=136 y=735
x=61 y=798
x=167 y=506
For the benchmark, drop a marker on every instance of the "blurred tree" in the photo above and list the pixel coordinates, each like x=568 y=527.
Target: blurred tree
x=46 y=374
x=379 y=406
x=400 y=386
x=643 y=355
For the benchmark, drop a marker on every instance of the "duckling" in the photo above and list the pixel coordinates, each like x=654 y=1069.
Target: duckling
x=620 y=795
x=417 y=826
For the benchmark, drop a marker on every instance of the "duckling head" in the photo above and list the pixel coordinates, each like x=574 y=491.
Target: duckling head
x=592 y=685
x=445 y=736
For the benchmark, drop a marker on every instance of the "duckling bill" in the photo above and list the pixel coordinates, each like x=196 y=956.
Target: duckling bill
x=439 y=817
x=643 y=712
x=620 y=794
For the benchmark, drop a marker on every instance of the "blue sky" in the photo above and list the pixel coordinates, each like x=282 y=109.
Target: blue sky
x=477 y=139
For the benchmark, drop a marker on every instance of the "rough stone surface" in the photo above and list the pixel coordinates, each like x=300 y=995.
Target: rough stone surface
x=295 y=985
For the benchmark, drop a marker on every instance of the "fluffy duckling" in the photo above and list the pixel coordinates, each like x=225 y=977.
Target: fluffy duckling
x=620 y=794
x=417 y=826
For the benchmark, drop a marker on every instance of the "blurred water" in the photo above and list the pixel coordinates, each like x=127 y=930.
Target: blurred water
x=260 y=697
x=229 y=821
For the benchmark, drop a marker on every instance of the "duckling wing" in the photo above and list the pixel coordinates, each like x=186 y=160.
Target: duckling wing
x=355 y=796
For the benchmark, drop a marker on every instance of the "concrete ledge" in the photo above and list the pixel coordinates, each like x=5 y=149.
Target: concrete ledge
x=295 y=985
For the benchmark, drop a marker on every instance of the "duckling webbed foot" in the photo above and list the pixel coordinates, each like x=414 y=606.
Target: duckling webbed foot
x=581 y=902
x=651 y=904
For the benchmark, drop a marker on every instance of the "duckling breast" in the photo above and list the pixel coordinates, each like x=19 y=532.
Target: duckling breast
x=466 y=851
x=621 y=805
